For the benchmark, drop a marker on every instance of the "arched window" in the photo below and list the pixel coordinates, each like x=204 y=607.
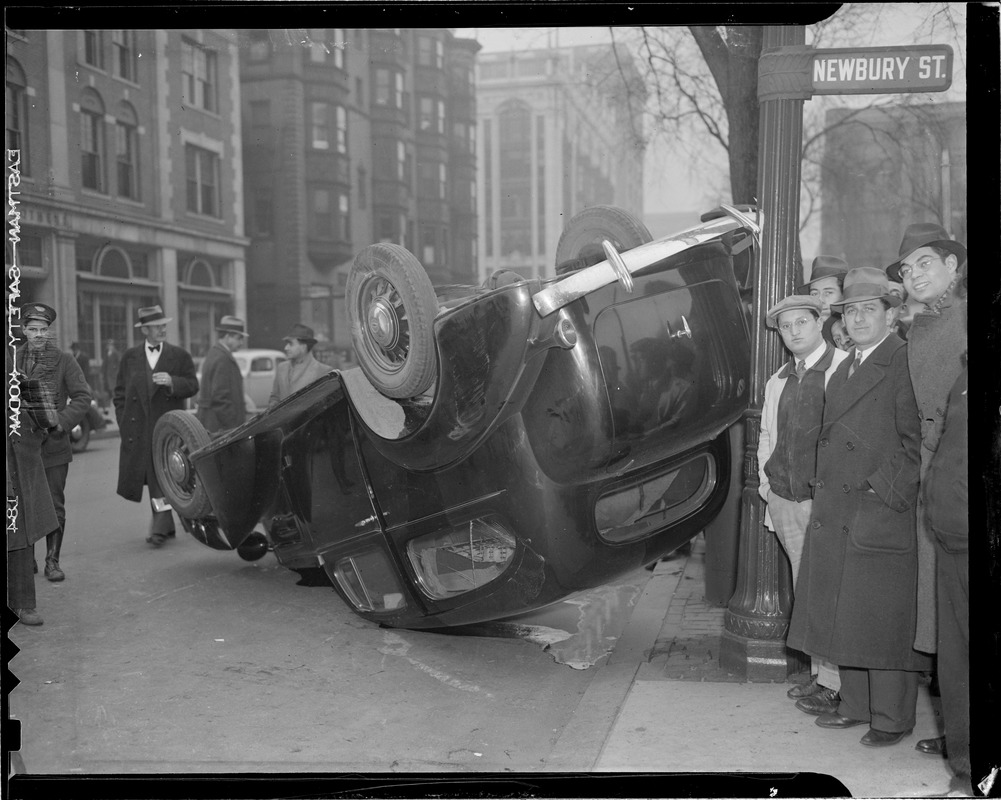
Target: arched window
x=127 y=151
x=92 y=141
x=16 y=112
x=199 y=273
x=113 y=263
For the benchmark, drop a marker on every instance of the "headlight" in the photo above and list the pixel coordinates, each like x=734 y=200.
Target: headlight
x=367 y=578
x=451 y=562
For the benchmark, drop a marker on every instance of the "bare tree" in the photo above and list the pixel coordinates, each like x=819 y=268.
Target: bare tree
x=701 y=85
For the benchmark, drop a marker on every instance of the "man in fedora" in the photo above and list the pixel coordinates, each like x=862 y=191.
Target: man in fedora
x=220 y=399
x=929 y=264
x=301 y=369
x=64 y=382
x=154 y=377
x=827 y=275
x=855 y=595
x=787 y=455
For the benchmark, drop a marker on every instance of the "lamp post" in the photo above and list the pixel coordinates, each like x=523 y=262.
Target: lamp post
x=757 y=617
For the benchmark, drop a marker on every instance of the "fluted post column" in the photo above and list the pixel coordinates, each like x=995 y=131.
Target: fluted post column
x=757 y=617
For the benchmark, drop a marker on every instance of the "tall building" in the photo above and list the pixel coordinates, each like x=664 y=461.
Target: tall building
x=128 y=144
x=351 y=137
x=884 y=168
x=559 y=130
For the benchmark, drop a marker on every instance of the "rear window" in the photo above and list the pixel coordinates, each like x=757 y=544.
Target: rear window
x=262 y=364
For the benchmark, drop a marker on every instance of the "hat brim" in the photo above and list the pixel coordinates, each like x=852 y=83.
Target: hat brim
x=892 y=299
x=161 y=321
x=772 y=320
x=893 y=271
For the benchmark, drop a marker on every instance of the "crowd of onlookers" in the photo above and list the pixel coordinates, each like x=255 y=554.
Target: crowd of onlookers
x=862 y=460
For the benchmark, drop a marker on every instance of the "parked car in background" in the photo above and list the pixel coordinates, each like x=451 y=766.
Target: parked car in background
x=93 y=421
x=500 y=447
x=258 y=368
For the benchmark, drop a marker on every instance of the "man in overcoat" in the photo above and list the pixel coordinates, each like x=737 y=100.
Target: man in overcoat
x=946 y=503
x=791 y=417
x=60 y=372
x=30 y=513
x=301 y=369
x=154 y=377
x=855 y=596
x=928 y=264
x=827 y=276
x=220 y=395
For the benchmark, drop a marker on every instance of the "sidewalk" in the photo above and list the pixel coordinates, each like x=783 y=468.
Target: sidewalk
x=679 y=711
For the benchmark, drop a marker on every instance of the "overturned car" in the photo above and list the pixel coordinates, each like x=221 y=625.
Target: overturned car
x=500 y=447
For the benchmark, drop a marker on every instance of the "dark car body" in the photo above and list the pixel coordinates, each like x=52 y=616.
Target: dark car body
x=560 y=448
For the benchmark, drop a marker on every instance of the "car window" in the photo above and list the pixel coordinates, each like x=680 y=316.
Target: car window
x=262 y=364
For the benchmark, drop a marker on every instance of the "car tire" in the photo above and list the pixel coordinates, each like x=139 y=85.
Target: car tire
x=176 y=436
x=81 y=441
x=391 y=310
x=580 y=243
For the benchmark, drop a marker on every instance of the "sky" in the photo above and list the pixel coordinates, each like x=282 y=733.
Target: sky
x=673 y=186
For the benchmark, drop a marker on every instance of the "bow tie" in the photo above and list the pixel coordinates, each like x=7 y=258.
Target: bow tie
x=154 y=348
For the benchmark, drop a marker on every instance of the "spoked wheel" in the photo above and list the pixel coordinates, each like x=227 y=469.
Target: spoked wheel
x=580 y=244
x=391 y=309
x=176 y=436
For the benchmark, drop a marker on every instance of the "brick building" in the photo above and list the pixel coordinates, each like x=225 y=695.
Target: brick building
x=352 y=136
x=130 y=163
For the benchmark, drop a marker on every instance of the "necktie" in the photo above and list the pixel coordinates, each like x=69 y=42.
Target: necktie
x=855 y=364
x=800 y=369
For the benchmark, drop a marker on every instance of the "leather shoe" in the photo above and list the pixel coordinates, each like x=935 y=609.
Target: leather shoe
x=834 y=720
x=156 y=539
x=933 y=747
x=28 y=616
x=52 y=571
x=876 y=738
x=804 y=689
x=825 y=701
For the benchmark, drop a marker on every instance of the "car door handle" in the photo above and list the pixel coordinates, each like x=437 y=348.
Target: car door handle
x=685 y=330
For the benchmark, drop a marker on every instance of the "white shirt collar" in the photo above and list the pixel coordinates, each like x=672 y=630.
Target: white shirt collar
x=815 y=356
x=864 y=354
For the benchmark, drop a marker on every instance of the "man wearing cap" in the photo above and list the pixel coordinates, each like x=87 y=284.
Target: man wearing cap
x=787 y=454
x=60 y=374
x=220 y=397
x=30 y=514
x=154 y=377
x=301 y=369
x=855 y=594
x=928 y=263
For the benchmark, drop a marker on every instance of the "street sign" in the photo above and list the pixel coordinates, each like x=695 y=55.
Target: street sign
x=878 y=70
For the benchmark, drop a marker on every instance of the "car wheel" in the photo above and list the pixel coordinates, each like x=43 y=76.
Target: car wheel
x=254 y=547
x=176 y=436
x=80 y=436
x=391 y=310
x=580 y=243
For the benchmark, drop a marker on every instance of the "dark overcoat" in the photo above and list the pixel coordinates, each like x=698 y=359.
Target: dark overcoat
x=855 y=597
x=220 y=394
x=62 y=374
x=30 y=513
x=936 y=342
x=139 y=403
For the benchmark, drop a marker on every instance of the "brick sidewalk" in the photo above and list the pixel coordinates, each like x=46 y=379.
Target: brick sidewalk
x=688 y=644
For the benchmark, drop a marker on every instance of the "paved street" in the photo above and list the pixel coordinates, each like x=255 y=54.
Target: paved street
x=188 y=661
